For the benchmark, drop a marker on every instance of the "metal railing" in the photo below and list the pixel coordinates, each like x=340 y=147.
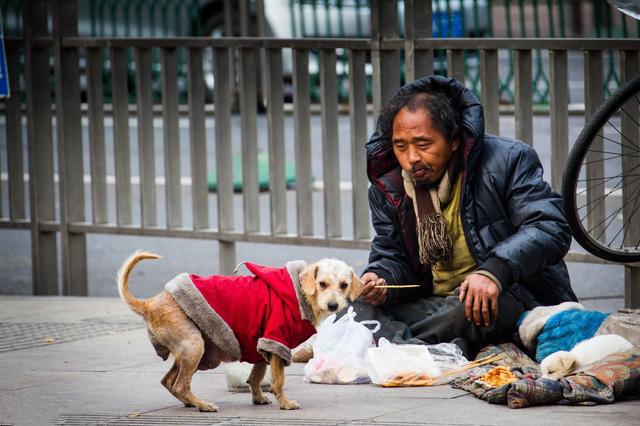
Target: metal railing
x=345 y=220
x=307 y=18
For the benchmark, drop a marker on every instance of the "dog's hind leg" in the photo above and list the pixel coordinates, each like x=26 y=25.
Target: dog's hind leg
x=169 y=380
x=256 y=376
x=277 y=384
x=187 y=359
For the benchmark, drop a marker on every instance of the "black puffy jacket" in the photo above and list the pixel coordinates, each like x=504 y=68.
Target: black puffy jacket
x=513 y=221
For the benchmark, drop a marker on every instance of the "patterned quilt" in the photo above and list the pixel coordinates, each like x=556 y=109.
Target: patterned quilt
x=613 y=378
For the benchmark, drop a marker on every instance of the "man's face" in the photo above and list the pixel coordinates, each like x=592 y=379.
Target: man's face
x=421 y=150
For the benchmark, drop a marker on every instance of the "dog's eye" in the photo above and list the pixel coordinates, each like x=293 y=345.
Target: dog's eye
x=323 y=285
x=343 y=286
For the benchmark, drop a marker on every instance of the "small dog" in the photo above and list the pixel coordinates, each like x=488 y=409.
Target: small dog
x=561 y=363
x=203 y=321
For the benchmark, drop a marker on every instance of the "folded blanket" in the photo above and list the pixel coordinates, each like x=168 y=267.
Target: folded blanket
x=548 y=329
x=614 y=378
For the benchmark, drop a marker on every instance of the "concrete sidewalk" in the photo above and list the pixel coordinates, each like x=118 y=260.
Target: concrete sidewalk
x=88 y=361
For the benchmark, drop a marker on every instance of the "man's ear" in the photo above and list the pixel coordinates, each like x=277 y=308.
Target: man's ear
x=455 y=145
x=356 y=287
x=308 y=279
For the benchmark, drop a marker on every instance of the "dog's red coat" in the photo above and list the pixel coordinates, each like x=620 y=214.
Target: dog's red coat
x=260 y=306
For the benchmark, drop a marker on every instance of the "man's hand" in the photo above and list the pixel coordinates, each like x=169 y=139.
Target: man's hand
x=370 y=294
x=480 y=296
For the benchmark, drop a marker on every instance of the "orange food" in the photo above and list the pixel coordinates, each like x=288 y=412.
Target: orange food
x=409 y=379
x=498 y=376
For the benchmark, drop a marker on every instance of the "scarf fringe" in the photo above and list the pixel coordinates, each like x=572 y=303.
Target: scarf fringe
x=435 y=244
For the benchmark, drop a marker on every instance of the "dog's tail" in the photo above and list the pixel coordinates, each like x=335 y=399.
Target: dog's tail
x=136 y=305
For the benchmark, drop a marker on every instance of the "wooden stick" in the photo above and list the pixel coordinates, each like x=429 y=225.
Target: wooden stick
x=398 y=286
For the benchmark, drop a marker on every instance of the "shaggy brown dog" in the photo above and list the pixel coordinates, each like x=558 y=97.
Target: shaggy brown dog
x=323 y=288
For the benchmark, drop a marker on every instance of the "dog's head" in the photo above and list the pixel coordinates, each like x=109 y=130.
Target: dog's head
x=557 y=365
x=328 y=284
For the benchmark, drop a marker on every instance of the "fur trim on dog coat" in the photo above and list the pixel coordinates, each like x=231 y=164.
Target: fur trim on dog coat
x=248 y=317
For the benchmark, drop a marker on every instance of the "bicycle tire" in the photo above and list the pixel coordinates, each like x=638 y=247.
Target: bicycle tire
x=572 y=173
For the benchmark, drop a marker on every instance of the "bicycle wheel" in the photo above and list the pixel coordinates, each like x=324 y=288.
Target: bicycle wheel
x=601 y=183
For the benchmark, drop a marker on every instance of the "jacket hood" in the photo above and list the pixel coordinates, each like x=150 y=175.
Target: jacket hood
x=383 y=168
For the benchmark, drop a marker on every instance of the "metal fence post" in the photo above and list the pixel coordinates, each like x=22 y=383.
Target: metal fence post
x=386 y=63
x=417 y=24
x=69 y=132
x=44 y=258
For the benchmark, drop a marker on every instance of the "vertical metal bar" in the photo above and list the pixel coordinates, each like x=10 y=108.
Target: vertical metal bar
x=275 y=119
x=244 y=17
x=13 y=116
x=224 y=171
x=559 y=112
x=41 y=189
x=418 y=24
x=171 y=136
x=358 y=116
x=199 y=190
x=228 y=18
x=227 y=257
x=69 y=141
x=386 y=63
x=302 y=132
x=593 y=77
x=248 y=118
x=146 y=148
x=524 y=96
x=330 y=144
x=97 y=153
x=631 y=186
x=490 y=82
x=455 y=64
x=122 y=159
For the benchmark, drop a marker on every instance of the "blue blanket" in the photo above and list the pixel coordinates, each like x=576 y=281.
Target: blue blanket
x=564 y=330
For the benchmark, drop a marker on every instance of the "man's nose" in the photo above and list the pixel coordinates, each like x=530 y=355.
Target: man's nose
x=413 y=155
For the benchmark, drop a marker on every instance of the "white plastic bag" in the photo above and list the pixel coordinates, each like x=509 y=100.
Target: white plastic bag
x=411 y=365
x=339 y=351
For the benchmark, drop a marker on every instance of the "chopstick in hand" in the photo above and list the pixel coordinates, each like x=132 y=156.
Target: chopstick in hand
x=397 y=286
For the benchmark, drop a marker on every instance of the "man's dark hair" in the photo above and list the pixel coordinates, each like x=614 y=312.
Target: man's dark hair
x=444 y=116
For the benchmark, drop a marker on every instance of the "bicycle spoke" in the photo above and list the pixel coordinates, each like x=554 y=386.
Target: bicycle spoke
x=632 y=147
x=628 y=224
x=601 y=159
x=617 y=154
x=607 y=177
x=602 y=183
x=603 y=197
x=630 y=116
x=621 y=134
x=612 y=216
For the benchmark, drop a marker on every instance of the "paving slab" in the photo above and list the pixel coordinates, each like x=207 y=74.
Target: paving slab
x=111 y=375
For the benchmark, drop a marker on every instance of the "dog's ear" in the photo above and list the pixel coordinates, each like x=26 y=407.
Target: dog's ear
x=308 y=279
x=356 y=287
x=568 y=361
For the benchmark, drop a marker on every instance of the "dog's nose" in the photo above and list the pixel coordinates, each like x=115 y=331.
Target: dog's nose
x=332 y=306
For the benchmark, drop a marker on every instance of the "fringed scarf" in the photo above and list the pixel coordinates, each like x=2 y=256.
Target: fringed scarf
x=434 y=243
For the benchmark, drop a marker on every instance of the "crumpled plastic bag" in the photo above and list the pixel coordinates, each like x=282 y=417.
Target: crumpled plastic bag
x=412 y=365
x=339 y=351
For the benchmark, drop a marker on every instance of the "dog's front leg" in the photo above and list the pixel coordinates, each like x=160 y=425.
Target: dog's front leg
x=254 y=380
x=277 y=384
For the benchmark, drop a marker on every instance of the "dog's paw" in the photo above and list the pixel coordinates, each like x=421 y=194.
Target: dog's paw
x=209 y=408
x=261 y=400
x=290 y=405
